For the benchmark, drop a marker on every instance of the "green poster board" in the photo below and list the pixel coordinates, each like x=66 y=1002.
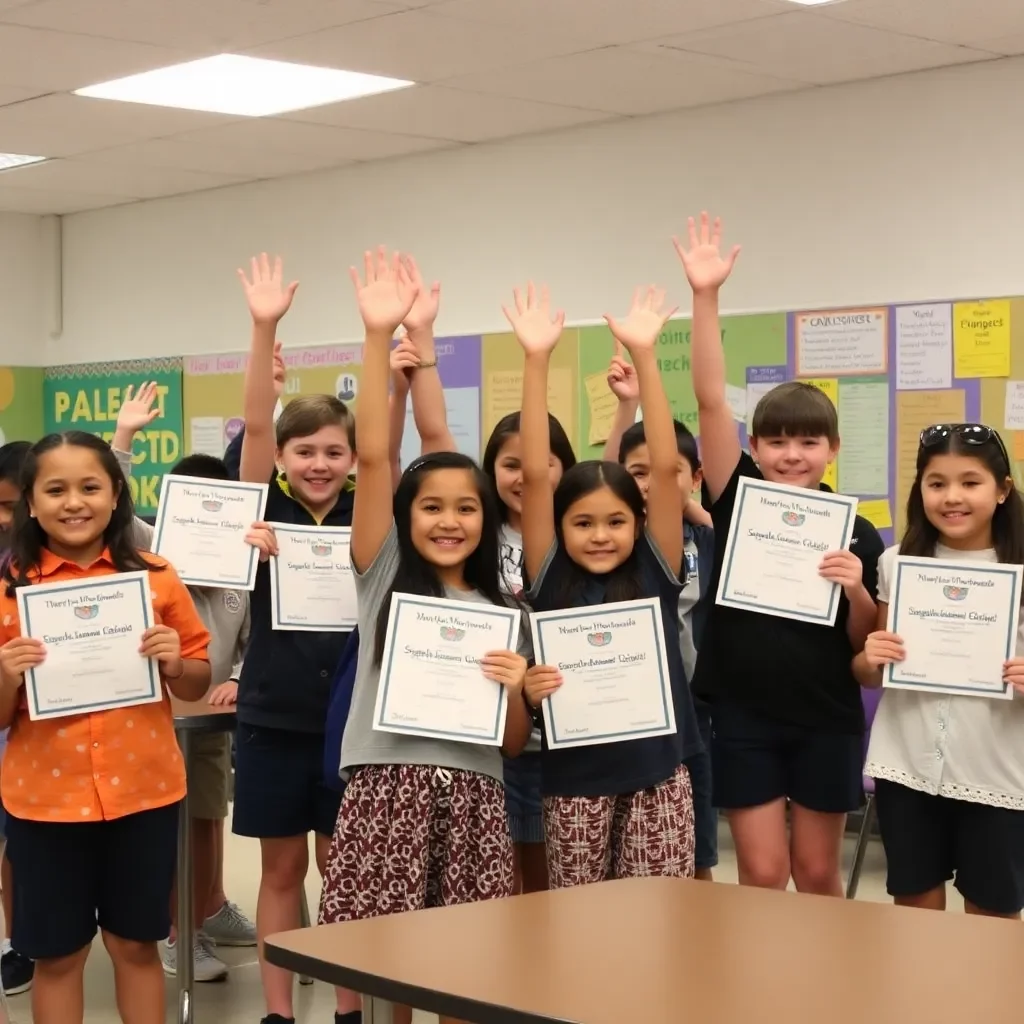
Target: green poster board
x=758 y=340
x=21 y=403
x=88 y=397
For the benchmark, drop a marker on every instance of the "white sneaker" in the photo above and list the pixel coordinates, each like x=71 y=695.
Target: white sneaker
x=205 y=966
x=230 y=927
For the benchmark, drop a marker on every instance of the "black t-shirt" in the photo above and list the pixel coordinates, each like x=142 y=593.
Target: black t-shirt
x=793 y=672
x=610 y=769
x=286 y=675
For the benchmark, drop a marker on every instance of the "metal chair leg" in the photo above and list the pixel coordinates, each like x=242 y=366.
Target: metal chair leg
x=304 y=919
x=867 y=821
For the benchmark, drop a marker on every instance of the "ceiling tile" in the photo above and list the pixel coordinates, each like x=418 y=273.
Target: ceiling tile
x=206 y=26
x=439 y=113
x=1007 y=45
x=609 y=21
x=951 y=21
x=12 y=94
x=814 y=49
x=56 y=61
x=25 y=200
x=625 y=81
x=419 y=46
x=63 y=125
x=110 y=178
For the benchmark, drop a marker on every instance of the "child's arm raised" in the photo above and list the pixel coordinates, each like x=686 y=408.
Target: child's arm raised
x=538 y=332
x=404 y=360
x=639 y=333
x=707 y=270
x=136 y=413
x=624 y=386
x=269 y=299
x=385 y=295
x=428 y=406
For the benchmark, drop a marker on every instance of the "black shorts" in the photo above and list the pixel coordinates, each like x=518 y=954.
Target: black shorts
x=705 y=815
x=755 y=760
x=73 y=876
x=929 y=840
x=279 y=784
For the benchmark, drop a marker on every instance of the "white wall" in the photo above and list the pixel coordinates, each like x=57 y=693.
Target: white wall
x=908 y=188
x=22 y=291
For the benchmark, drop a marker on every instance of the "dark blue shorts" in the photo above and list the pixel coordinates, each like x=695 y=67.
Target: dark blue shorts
x=755 y=760
x=73 y=876
x=704 y=812
x=279 y=784
x=930 y=840
x=522 y=798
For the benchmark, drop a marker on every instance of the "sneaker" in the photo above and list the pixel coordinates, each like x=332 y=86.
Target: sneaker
x=230 y=927
x=16 y=972
x=276 y=1018
x=205 y=966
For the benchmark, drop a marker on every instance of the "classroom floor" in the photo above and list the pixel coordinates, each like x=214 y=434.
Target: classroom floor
x=238 y=1000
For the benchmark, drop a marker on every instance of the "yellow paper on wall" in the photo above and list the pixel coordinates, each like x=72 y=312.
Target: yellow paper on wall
x=829 y=386
x=981 y=339
x=916 y=410
x=877 y=512
x=603 y=406
x=1018 y=445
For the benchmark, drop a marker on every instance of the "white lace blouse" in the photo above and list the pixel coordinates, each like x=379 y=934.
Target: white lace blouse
x=966 y=748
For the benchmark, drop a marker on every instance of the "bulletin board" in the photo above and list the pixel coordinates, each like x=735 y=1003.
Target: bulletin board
x=890 y=370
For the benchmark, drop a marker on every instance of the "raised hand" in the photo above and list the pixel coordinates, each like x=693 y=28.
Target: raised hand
x=268 y=297
x=644 y=322
x=424 y=309
x=404 y=359
x=706 y=268
x=536 y=329
x=280 y=372
x=137 y=412
x=386 y=293
x=622 y=379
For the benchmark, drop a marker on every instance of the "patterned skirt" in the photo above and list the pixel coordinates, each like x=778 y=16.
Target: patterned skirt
x=415 y=836
x=592 y=839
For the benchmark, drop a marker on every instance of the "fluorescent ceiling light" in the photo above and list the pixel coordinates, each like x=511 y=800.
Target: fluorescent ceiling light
x=243 y=86
x=8 y=161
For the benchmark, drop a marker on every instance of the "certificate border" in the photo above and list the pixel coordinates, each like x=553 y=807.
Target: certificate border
x=276 y=622
x=397 y=601
x=117 y=580
x=749 y=483
x=649 y=605
x=909 y=562
x=167 y=484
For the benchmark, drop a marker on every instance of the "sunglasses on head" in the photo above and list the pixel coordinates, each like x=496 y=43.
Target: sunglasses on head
x=969 y=433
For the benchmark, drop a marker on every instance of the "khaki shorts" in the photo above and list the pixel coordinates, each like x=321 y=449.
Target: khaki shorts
x=209 y=776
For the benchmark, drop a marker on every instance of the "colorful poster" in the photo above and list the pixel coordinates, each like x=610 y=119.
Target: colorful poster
x=21 y=403
x=502 y=382
x=597 y=403
x=924 y=347
x=995 y=405
x=458 y=363
x=864 y=433
x=214 y=385
x=981 y=338
x=761 y=380
x=841 y=342
x=877 y=512
x=88 y=396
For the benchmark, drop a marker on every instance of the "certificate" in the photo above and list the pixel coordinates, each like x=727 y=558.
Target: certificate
x=777 y=539
x=92 y=630
x=431 y=683
x=312 y=586
x=616 y=684
x=958 y=622
x=201 y=526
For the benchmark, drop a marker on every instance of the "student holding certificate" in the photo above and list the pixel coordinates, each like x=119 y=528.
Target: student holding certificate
x=422 y=821
x=92 y=795
x=620 y=806
x=949 y=763
x=787 y=712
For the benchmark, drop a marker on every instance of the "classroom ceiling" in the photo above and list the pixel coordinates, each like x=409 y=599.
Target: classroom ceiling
x=486 y=69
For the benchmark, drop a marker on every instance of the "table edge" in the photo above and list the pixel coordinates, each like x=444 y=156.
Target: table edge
x=377 y=987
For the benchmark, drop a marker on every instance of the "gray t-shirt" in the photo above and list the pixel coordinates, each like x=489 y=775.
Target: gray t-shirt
x=361 y=743
x=687 y=600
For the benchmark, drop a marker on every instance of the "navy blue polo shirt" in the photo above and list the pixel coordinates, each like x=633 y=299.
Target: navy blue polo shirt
x=610 y=769
x=286 y=676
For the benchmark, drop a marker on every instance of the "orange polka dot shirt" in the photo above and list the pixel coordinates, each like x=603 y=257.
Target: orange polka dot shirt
x=106 y=764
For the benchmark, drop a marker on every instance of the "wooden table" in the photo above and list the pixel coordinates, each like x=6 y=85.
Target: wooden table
x=667 y=951
x=190 y=719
